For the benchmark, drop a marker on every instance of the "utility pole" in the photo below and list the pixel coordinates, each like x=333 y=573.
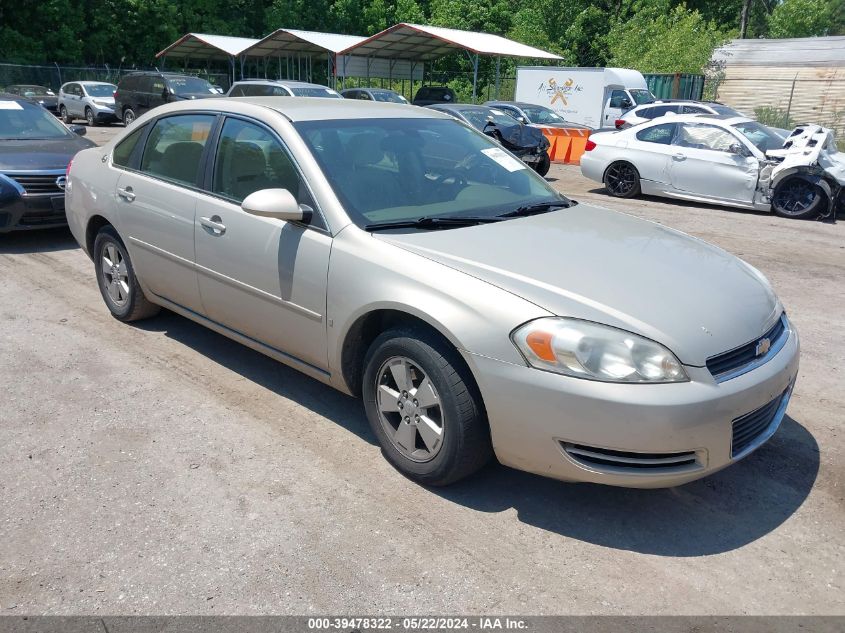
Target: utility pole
x=743 y=18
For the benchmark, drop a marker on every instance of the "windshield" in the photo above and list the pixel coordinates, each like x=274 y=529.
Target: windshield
x=100 y=90
x=539 y=114
x=642 y=96
x=394 y=170
x=35 y=91
x=723 y=109
x=762 y=137
x=388 y=96
x=314 y=91
x=479 y=117
x=23 y=120
x=190 y=85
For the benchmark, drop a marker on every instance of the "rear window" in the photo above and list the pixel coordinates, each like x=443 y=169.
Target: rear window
x=656 y=111
x=314 y=91
x=190 y=85
x=123 y=151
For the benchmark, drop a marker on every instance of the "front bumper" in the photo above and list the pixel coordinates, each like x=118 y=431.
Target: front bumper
x=104 y=114
x=634 y=435
x=20 y=211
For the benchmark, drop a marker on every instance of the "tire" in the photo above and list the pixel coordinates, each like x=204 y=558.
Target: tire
x=117 y=280
x=462 y=445
x=65 y=116
x=622 y=180
x=798 y=199
x=543 y=166
x=129 y=117
x=90 y=118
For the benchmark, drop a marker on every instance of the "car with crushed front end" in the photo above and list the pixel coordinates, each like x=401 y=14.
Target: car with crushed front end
x=35 y=150
x=722 y=159
x=397 y=254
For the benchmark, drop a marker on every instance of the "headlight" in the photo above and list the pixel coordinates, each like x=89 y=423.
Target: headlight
x=596 y=352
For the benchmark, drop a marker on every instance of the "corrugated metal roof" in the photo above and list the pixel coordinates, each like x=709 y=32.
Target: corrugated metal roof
x=205 y=46
x=804 y=51
x=296 y=41
x=424 y=43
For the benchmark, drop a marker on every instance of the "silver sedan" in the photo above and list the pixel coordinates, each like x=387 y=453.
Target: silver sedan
x=395 y=254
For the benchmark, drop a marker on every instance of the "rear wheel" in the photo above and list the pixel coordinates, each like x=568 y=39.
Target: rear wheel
x=423 y=408
x=128 y=117
x=65 y=116
x=799 y=199
x=622 y=180
x=117 y=281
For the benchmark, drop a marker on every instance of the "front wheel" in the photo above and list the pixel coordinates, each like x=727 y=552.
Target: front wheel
x=89 y=117
x=799 y=199
x=543 y=165
x=65 y=116
x=128 y=117
x=117 y=280
x=622 y=180
x=423 y=408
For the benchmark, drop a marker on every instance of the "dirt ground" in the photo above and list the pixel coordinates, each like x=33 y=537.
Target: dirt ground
x=161 y=468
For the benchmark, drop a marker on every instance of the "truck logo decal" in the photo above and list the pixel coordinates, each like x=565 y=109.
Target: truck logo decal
x=557 y=92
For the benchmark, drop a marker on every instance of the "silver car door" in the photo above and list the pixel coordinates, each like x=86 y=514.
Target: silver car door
x=156 y=205
x=704 y=164
x=261 y=277
x=652 y=152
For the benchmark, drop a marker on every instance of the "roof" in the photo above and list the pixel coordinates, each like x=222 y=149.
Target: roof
x=205 y=46
x=803 y=51
x=280 y=82
x=295 y=41
x=425 y=43
x=458 y=106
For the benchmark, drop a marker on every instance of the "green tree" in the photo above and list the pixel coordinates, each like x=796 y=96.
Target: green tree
x=661 y=40
x=801 y=18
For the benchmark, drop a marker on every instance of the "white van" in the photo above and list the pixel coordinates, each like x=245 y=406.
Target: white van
x=594 y=97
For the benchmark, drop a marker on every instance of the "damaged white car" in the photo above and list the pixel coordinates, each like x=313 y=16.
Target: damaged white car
x=726 y=160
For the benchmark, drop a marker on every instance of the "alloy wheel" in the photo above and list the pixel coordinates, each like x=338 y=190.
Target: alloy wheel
x=409 y=409
x=115 y=274
x=621 y=179
x=794 y=197
x=89 y=116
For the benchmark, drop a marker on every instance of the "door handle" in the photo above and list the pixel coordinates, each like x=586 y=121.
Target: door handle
x=215 y=224
x=126 y=193
x=679 y=157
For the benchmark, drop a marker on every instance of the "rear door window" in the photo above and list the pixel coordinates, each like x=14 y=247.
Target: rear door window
x=175 y=147
x=661 y=134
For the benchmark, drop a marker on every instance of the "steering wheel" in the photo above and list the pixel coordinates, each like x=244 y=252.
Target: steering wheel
x=451 y=178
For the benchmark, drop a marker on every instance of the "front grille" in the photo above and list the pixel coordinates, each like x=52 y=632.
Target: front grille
x=41 y=218
x=38 y=184
x=749 y=427
x=621 y=461
x=737 y=358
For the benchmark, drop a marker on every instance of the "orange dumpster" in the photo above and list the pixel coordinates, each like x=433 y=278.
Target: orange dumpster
x=566 y=144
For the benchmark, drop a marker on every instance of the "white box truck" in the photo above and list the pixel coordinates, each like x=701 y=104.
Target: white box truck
x=594 y=97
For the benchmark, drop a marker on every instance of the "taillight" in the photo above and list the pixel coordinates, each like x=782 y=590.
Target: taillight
x=590 y=146
x=67 y=171
x=619 y=123
x=114 y=94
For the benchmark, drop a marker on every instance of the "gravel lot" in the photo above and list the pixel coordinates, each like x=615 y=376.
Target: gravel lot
x=161 y=468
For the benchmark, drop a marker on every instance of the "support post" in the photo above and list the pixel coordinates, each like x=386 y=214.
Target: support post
x=474 y=77
x=498 y=62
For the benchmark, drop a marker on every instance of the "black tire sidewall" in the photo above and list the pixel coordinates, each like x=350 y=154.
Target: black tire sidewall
x=418 y=349
x=544 y=165
x=634 y=191
x=107 y=236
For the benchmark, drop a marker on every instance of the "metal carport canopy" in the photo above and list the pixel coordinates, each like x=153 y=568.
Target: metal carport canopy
x=296 y=41
x=425 y=43
x=205 y=46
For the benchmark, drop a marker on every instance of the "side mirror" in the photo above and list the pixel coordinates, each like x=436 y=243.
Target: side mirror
x=736 y=148
x=275 y=203
x=521 y=119
x=79 y=130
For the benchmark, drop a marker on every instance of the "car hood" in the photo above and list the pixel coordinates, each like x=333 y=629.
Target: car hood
x=194 y=95
x=32 y=154
x=595 y=264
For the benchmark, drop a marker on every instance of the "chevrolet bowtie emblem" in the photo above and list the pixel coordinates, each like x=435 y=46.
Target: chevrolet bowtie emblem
x=763 y=346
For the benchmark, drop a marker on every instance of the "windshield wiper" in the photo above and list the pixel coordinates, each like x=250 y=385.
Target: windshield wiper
x=535 y=209
x=432 y=222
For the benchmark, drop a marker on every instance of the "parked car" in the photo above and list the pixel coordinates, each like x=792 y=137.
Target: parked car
x=35 y=151
x=89 y=100
x=41 y=95
x=720 y=159
x=279 y=88
x=533 y=114
x=140 y=92
x=428 y=95
x=525 y=142
x=399 y=255
x=650 y=111
x=373 y=94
